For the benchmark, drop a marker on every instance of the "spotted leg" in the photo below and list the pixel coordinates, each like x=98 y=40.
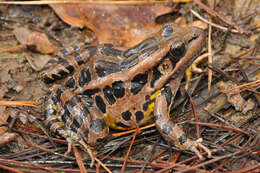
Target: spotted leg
x=170 y=131
x=69 y=59
x=74 y=118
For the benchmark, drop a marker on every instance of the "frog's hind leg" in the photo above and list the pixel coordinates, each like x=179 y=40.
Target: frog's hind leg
x=74 y=138
x=70 y=136
x=69 y=59
x=86 y=122
x=55 y=125
x=97 y=128
x=57 y=119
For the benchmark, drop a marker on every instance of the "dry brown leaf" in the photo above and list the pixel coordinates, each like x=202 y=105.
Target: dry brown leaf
x=120 y=25
x=235 y=98
x=32 y=38
x=5 y=137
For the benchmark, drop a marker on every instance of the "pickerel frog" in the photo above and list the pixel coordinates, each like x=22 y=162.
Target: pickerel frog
x=121 y=89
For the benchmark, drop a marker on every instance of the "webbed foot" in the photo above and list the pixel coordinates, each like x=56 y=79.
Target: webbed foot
x=194 y=145
x=86 y=146
x=90 y=152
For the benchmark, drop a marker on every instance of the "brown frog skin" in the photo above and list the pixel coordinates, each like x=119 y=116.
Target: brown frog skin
x=122 y=89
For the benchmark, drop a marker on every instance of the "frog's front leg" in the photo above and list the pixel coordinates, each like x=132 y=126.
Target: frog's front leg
x=170 y=131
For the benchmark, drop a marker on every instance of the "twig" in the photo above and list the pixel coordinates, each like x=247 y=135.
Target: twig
x=215 y=14
x=79 y=160
x=129 y=149
x=132 y=131
x=108 y=2
x=210 y=52
x=213 y=24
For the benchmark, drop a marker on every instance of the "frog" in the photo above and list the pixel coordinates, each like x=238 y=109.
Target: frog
x=106 y=87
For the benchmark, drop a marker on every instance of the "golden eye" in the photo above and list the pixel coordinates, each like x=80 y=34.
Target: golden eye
x=178 y=50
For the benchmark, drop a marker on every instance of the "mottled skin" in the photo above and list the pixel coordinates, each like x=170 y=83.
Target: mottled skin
x=122 y=89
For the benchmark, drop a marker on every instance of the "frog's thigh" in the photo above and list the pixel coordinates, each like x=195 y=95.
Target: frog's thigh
x=60 y=66
x=97 y=126
x=172 y=133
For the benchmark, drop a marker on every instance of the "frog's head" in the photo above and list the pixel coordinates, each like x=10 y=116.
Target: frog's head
x=162 y=55
x=183 y=44
x=178 y=48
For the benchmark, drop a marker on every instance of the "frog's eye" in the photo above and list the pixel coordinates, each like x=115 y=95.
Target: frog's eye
x=178 y=50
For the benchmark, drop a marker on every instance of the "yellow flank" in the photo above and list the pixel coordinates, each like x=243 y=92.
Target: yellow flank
x=55 y=108
x=109 y=121
x=150 y=109
x=151 y=106
x=156 y=93
x=60 y=123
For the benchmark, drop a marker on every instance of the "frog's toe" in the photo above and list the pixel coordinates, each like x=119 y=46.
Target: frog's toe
x=194 y=145
x=90 y=152
x=70 y=142
x=86 y=146
x=204 y=148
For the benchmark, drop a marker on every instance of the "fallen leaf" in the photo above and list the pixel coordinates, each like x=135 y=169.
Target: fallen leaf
x=32 y=38
x=120 y=25
x=235 y=99
x=248 y=106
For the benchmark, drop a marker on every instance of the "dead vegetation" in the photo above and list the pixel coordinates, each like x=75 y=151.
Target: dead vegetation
x=224 y=98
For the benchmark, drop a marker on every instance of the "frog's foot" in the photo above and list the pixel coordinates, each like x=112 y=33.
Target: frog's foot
x=86 y=146
x=69 y=140
x=194 y=145
x=90 y=152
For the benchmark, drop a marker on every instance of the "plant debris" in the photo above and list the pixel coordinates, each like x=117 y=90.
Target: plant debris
x=227 y=113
